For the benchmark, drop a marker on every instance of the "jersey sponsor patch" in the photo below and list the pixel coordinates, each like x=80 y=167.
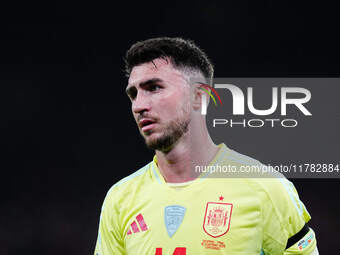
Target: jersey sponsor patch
x=217 y=218
x=173 y=217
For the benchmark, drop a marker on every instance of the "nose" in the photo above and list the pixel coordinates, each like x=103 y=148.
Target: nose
x=140 y=104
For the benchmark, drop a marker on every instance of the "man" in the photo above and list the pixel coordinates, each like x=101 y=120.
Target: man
x=169 y=208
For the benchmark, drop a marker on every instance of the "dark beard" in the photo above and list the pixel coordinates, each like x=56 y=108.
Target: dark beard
x=174 y=131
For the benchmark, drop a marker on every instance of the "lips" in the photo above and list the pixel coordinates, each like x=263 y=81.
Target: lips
x=146 y=124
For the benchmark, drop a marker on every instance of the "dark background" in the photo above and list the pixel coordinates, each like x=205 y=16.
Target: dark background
x=67 y=134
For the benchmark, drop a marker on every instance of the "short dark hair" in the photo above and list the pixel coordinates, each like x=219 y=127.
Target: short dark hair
x=181 y=52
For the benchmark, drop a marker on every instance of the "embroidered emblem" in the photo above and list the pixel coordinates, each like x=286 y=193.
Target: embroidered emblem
x=212 y=244
x=173 y=217
x=217 y=218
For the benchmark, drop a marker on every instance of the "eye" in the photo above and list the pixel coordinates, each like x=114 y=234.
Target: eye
x=153 y=87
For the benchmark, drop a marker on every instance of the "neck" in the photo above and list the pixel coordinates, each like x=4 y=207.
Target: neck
x=192 y=149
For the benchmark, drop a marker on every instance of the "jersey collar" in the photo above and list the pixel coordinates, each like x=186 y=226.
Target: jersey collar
x=218 y=159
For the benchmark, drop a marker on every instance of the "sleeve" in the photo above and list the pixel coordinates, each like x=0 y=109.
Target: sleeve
x=305 y=246
x=109 y=240
x=284 y=215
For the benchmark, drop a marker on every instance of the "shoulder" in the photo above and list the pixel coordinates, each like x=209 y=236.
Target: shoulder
x=281 y=206
x=128 y=185
x=135 y=177
x=259 y=176
x=275 y=191
x=283 y=213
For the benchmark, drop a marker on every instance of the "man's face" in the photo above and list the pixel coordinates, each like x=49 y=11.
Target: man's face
x=160 y=98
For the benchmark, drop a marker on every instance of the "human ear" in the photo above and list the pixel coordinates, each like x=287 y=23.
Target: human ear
x=199 y=96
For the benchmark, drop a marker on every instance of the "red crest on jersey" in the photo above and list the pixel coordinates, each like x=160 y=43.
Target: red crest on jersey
x=217 y=218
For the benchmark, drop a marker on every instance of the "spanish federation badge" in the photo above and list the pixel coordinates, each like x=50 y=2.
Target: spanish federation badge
x=217 y=218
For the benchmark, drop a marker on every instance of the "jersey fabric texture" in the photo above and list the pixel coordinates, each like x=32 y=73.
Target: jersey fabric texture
x=142 y=214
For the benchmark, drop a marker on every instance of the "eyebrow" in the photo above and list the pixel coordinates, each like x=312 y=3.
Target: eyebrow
x=143 y=84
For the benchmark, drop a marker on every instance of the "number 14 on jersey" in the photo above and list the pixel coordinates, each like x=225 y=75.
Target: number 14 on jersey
x=177 y=251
